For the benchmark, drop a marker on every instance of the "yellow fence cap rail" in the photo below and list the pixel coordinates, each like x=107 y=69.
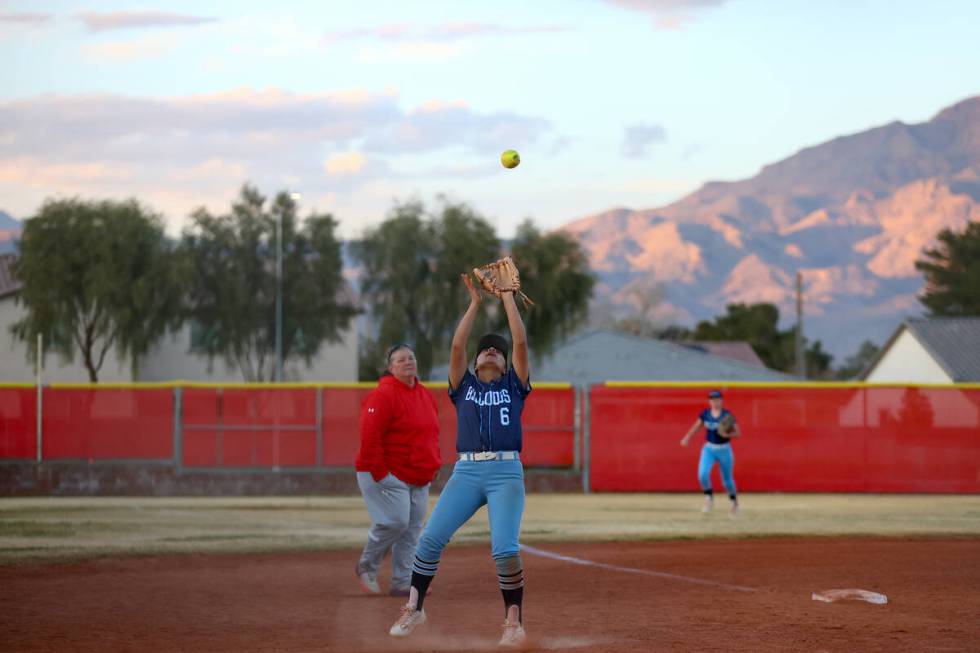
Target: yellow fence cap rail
x=337 y=385
x=789 y=385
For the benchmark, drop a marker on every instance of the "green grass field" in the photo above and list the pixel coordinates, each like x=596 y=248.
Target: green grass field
x=48 y=528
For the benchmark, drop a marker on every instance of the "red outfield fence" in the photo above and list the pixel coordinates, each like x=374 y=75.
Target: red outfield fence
x=265 y=426
x=798 y=437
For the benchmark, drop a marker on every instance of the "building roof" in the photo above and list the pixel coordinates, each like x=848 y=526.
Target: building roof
x=9 y=284
x=738 y=350
x=954 y=343
x=598 y=356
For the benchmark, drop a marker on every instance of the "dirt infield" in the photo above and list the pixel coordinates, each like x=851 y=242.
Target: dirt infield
x=753 y=595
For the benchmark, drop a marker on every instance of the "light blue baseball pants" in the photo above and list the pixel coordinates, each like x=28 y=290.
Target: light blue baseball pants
x=498 y=484
x=725 y=458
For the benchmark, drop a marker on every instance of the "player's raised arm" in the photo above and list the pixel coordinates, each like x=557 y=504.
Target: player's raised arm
x=518 y=336
x=457 y=352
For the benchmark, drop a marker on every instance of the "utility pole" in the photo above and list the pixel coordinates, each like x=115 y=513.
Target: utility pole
x=800 y=353
x=279 y=298
x=296 y=197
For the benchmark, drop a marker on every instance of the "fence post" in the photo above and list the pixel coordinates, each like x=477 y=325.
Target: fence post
x=40 y=394
x=40 y=421
x=319 y=426
x=178 y=427
x=587 y=438
x=577 y=421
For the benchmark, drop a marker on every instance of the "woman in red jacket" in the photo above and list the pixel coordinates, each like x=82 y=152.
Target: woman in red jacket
x=398 y=459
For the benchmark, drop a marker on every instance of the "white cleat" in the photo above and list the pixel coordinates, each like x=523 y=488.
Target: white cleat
x=513 y=636
x=708 y=504
x=408 y=621
x=733 y=513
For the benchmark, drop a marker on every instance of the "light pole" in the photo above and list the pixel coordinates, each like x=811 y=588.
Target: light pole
x=800 y=350
x=296 y=197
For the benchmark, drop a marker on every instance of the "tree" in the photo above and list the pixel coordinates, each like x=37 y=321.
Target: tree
x=232 y=283
x=96 y=275
x=758 y=324
x=643 y=295
x=857 y=362
x=555 y=273
x=410 y=282
x=952 y=273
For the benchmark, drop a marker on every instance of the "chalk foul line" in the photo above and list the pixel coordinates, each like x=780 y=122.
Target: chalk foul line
x=533 y=550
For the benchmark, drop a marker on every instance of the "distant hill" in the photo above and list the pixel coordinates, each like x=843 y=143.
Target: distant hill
x=9 y=230
x=852 y=214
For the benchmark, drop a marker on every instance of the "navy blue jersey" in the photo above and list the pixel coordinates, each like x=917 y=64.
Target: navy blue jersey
x=488 y=415
x=711 y=424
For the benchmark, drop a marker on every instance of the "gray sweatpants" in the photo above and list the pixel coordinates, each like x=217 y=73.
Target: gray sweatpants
x=397 y=512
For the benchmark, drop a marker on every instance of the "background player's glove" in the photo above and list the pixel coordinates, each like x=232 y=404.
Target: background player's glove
x=501 y=276
x=726 y=425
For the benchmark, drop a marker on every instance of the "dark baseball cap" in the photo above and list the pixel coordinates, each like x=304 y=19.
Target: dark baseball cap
x=714 y=394
x=498 y=342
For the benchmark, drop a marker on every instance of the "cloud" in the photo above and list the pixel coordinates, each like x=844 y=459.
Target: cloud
x=638 y=139
x=126 y=51
x=25 y=18
x=438 y=33
x=417 y=50
x=347 y=163
x=115 y=20
x=206 y=145
x=669 y=14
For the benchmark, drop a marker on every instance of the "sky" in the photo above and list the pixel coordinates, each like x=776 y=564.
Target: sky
x=358 y=105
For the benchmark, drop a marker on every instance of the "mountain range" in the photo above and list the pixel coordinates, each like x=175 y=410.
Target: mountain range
x=852 y=215
x=9 y=230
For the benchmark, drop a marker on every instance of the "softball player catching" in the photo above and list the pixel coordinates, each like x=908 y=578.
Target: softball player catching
x=721 y=427
x=488 y=401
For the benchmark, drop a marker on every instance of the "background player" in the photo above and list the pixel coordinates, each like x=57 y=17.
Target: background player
x=488 y=472
x=717 y=449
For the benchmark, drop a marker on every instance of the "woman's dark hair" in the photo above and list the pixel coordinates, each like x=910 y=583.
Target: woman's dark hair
x=395 y=347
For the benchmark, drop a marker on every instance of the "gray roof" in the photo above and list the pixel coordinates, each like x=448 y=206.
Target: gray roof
x=954 y=343
x=738 y=350
x=597 y=356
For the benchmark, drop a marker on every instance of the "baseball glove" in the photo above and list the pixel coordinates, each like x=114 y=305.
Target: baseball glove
x=726 y=425
x=501 y=276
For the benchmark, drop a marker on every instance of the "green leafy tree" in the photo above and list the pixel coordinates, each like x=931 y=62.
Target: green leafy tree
x=232 y=283
x=818 y=361
x=952 y=273
x=857 y=362
x=410 y=282
x=758 y=324
x=96 y=275
x=555 y=273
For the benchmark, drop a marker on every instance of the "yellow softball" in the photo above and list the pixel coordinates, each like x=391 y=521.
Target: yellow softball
x=510 y=159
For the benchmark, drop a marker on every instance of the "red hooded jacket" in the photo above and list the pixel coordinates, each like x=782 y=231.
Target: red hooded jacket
x=399 y=433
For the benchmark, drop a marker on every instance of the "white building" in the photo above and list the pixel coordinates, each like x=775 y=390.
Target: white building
x=929 y=350
x=172 y=359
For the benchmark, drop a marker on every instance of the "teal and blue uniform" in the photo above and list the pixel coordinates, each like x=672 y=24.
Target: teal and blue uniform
x=488 y=419
x=716 y=449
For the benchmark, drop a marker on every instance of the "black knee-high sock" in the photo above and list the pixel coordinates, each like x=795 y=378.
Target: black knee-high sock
x=514 y=597
x=421 y=583
x=710 y=493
